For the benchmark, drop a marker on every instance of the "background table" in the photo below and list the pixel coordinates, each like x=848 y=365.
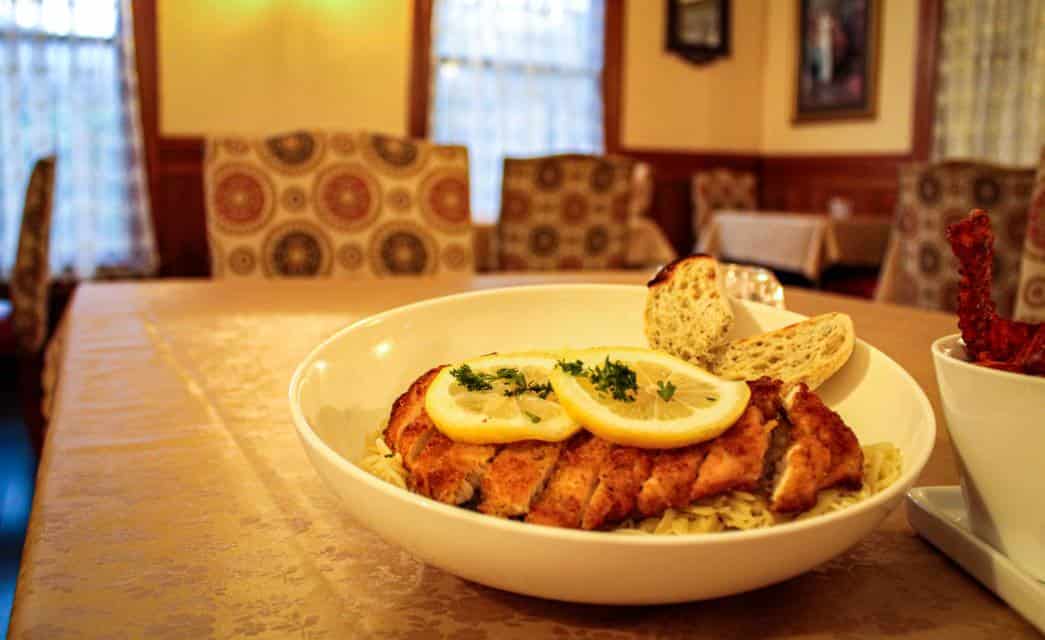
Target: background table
x=175 y=501
x=803 y=243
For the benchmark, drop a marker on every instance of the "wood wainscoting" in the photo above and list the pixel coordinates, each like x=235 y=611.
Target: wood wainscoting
x=788 y=183
x=178 y=208
x=807 y=183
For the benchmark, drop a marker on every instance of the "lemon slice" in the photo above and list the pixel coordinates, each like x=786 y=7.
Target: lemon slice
x=502 y=412
x=674 y=403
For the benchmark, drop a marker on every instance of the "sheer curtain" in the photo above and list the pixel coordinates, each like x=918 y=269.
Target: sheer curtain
x=68 y=86
x=990 y=96
x=515 y=78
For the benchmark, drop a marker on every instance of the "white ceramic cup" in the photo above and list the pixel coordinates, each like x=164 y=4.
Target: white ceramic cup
x=997 y=423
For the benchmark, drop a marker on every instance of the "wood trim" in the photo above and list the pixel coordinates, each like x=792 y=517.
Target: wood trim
x=147 y=66
x=930 y=13
x=420 y=70
x=613 y=74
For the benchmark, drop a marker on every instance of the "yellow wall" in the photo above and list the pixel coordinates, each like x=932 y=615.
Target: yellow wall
x=890 y=131
x=670 y=103
x=254 y=66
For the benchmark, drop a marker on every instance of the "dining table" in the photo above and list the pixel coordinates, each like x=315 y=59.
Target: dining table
x=797 y=242
x=174 y=500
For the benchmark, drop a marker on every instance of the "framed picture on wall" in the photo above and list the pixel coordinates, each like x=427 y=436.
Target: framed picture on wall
x=698 y=30
x=837 y=59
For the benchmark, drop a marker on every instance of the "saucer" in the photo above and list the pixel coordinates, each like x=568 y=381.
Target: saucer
x=938 y=514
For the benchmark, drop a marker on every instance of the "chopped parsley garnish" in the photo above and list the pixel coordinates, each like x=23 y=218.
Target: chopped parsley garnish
x=615 y=377
x=575 y=368
x=532 y=416
x=471 y=380
x=514 y=380
x=542 y=390
x=665 y=390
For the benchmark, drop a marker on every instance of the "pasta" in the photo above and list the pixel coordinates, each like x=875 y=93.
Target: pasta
x=735 y=510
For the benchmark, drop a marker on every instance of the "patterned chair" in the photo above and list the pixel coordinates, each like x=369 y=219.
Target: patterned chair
x=721 y=189
x=919 y=268
x=564 y=212
x=31 y=277
x=1030 y=299
x=27 y=324
x=336 y=204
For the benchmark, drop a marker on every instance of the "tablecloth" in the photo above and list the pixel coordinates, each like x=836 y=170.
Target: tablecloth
x=175 y=501
x=797 y=242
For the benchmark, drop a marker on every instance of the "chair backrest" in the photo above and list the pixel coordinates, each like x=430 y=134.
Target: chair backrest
x=564 y=212
x=336 y=204
x=922 y=271
x=1030 y=299
x=30 y=279
x=721 y=189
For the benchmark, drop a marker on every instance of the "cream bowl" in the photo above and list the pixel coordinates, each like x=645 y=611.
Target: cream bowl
x=342 y=391
x=996 y=420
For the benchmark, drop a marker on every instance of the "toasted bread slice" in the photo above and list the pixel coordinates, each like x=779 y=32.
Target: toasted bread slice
x=810 y=351
x=687 y=311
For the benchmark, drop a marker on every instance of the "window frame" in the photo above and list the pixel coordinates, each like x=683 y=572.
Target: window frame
x=612 y=68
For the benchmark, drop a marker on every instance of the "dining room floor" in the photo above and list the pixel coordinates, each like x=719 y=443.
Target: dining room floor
x=17 y=475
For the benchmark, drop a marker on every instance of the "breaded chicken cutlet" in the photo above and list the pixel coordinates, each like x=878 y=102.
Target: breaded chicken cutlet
x=788 y=445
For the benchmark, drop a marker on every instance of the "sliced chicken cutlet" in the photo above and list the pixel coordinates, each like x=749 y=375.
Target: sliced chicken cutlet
x=408 y=427
x=765 y=394
x=449 y=471
x=564 y=500
x=824 y=453
x=736 y=459
x=620 y=481
x=671 y=479
x=516 y=476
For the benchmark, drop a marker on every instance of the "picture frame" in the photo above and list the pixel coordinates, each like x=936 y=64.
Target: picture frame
x=698 y=30
x=837 y=69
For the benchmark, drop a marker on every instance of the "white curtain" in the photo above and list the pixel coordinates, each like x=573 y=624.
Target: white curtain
x=68 y=86
x=515 y=78
x=990 y=95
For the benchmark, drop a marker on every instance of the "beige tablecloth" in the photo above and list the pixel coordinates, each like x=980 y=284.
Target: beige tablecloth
x=175 y=501
x=797 y=242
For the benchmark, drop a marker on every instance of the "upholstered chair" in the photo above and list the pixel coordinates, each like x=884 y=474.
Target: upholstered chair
x=721 y=189
x=565 y=212
x=336 y=205
x=920 y=269
x=1030 y=297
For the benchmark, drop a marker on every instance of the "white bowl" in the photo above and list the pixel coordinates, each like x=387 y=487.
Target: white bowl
x=344 y=388
x=997 y=423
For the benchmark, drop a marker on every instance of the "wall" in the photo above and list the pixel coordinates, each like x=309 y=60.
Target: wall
x=889 y=132
x=249 y=66
x=669 y=103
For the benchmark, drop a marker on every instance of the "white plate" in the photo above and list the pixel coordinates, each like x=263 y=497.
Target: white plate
x=941 y=515
x=344 y=388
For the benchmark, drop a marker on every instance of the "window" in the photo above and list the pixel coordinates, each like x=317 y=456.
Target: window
x=515 y=78
x=990 y=89
x=68 y=88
